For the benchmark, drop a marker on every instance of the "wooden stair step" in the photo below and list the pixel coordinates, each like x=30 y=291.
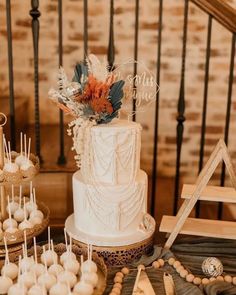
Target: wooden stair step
x=201 y=227
x=21 y=111
x=50 y=149
x=211 y=193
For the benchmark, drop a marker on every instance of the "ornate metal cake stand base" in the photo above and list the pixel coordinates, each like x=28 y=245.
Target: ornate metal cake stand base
x=115 y=255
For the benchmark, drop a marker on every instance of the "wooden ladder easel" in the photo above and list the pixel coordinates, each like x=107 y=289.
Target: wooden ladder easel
x=182 y=224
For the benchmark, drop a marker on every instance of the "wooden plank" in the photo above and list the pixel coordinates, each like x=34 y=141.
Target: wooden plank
x=220 y=10
x=201 y=227
x=211 y=193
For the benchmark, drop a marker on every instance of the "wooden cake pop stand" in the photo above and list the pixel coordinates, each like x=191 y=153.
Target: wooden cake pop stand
x=14 y=241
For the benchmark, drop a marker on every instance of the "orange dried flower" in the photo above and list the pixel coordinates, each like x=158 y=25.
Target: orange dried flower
x=101 y=105
x=96 y=94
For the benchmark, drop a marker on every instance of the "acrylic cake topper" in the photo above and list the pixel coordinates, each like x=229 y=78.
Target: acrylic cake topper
x=140 y=88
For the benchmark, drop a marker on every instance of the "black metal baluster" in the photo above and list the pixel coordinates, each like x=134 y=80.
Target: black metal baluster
x=11 y=76
x=61 y=159
x=181 y=109
x=135 y=54
x=111 y=44
x=35 y=14
x=204 y=109
x=155 y=146
x=228 y=111
x=85 y=29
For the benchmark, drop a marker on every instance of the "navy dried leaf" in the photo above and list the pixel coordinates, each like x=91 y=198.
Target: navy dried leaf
x=80 y=69
x=115 y=95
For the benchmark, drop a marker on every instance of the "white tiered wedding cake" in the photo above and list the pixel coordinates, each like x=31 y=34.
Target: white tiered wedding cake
x=110 y=189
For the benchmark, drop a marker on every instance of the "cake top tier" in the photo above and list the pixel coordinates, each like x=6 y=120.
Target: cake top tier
x=112 y=153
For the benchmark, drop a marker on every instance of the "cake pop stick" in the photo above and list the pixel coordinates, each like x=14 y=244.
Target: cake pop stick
x=20 y=160
x=67 y=255
x=25 y=151
x=28 y=156
x=9 y=148
x=37 y=268
x=9 y=269
x=21 y=144
x=13 y=204
x=55 y=268
x=46 y=278
x=30 y=206
x=49 y=255
x=9 y=225
x=6 y=149
x=25 y=224
x=9 y=166
x=36 y=216
x=89 y=266
x=6 y=250
x=66 y=239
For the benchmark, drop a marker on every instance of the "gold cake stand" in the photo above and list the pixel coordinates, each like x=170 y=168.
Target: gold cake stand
x=114 y=255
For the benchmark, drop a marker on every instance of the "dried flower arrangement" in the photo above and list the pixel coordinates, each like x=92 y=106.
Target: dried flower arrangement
x=92 y=97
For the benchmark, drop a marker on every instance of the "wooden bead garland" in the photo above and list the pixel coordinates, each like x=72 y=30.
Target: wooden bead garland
x=118 y=280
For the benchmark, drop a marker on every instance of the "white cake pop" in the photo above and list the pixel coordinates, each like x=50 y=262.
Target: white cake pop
x=91 y=278
x=13 y=205
x=5 y=284
x=9 y=166
x=89 y=266
x=55 y=268
x=18 y=288
x=36 y=216
x=72 y=264
x=9 y=223
x=26 y=262
x=25 y=224
x=9 y=269
x=58 y=289
x=19 y=213
x=30 y=205
x=37 y=289
x=49 y=256
x=67 y=255
x=19 y=160
x=82 y=287
x=27 y=163
x=67 y=276
x=27 y=279
x=37 y=268
x=47 y=279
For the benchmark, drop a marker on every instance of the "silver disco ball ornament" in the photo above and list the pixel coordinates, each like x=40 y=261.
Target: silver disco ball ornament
x=212 y=267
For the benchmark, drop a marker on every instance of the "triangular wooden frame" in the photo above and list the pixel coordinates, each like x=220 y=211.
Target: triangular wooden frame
x=219 y=153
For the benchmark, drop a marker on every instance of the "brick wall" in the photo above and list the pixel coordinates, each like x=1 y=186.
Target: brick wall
x=124 y=33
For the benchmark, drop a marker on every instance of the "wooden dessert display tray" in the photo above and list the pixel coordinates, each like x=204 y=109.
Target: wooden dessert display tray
x=60 y=249
x=18 y=238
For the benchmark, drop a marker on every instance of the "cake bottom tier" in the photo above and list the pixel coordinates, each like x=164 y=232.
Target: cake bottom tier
x=133 y=240
x=104 y=215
